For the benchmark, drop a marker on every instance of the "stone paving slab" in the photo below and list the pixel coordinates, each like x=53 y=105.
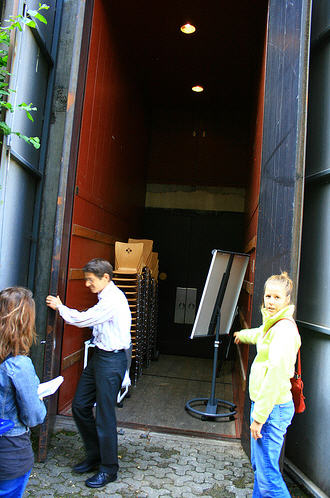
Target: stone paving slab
x=151 y=465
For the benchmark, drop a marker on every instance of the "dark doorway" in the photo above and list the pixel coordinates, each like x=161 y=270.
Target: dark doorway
x=185 y=239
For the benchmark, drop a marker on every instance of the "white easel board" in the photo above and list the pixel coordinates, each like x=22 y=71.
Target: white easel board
x=217 y=269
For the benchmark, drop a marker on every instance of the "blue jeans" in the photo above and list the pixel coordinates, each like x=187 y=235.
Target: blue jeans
x=266 y=451
x=14 y=488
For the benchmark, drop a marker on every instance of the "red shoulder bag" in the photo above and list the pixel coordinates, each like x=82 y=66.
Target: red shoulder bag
x=297 y=386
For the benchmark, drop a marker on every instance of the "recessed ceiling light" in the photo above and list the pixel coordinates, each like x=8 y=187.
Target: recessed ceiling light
x=188 y=29
x=197 y=88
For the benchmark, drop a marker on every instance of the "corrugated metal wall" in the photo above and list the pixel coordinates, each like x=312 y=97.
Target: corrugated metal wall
x=309 y=441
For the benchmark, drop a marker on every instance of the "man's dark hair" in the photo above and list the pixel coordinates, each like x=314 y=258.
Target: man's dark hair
x=99 y=267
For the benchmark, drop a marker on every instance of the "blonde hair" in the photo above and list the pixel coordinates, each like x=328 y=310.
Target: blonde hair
x=284 y=280
x=17 y=321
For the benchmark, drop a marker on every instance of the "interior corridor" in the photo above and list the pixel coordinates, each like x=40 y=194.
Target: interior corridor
x=157 y=402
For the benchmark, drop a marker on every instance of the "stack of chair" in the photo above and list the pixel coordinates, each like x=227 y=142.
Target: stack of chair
x=136 y=274
x=153 y=316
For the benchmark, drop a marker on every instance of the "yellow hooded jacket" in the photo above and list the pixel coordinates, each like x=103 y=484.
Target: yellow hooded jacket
x=278 y=342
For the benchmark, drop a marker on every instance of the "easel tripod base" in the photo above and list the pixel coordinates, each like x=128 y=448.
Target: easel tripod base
x=211 y=411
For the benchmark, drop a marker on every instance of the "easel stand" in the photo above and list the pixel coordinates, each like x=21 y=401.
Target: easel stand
x=212 y=403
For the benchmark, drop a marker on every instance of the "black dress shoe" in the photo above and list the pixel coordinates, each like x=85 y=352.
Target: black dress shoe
x=85 y=466
x=100 y=479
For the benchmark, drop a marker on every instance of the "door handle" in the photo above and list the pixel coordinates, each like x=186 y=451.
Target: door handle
x=185 y=305
x=180 y=304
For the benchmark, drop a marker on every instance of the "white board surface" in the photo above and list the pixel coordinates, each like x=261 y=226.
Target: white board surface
x=217 y=269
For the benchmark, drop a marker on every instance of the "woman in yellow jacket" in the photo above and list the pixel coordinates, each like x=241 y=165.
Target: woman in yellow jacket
x=272 y=409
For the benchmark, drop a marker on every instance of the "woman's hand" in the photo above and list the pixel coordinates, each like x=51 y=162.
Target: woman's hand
x=53 y=302
x=255 y=429
x=236 y=338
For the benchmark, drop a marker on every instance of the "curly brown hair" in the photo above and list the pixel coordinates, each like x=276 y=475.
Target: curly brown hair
x=17 y=321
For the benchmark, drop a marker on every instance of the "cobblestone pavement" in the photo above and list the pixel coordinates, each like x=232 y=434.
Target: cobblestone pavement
x=151 y=465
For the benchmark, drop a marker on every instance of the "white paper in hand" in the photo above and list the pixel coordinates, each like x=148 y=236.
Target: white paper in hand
x=48 y=388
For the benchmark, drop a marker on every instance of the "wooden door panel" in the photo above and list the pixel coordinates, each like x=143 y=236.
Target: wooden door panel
x=110 y=171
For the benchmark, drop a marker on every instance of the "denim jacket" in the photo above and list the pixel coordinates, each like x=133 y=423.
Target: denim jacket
x=19 y=400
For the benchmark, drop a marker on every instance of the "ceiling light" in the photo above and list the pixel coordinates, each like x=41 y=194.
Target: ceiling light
x=197 y=88
x=188 y=29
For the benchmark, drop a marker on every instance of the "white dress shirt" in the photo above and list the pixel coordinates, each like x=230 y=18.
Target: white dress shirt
x=110 y=319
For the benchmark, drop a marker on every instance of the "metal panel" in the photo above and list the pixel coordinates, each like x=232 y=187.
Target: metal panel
x=45 y=30
x=54 y=327
x=309 y=450
x=30 y=88
x=284 y=128
x=320 y=20
x=22 y=165
x=16 y=233
x=314 y=284
x=318 y=143
x=180 y=305
x=190 y=305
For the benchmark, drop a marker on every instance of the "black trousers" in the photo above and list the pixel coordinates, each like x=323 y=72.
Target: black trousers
x=100 y=382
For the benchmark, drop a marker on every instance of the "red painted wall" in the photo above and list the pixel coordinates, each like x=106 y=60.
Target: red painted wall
x=252 y=200
x=110 y=179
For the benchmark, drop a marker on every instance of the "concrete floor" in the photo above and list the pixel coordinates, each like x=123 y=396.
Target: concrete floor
x=158 y=400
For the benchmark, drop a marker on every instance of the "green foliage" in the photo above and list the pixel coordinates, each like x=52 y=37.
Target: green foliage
x=16 y=22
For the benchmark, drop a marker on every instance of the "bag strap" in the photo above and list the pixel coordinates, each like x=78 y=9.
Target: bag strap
x=298 y=372
x=298 y=361
x=279 y=320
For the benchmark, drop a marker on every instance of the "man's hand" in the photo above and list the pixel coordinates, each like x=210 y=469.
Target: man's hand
x=53 y=302
x=236 y=338
x=255 y=429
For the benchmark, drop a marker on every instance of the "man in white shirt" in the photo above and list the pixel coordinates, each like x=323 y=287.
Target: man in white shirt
x=102 y=378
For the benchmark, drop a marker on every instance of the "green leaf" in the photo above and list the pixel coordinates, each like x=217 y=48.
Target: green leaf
x=27 y=107
x=5 y=129
x=29 y=116
x=17 y=25
x=7 y=105
x=41 y=18
x=4 y=38
x=30 y=23
x=35 y=141
x=16 y=22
